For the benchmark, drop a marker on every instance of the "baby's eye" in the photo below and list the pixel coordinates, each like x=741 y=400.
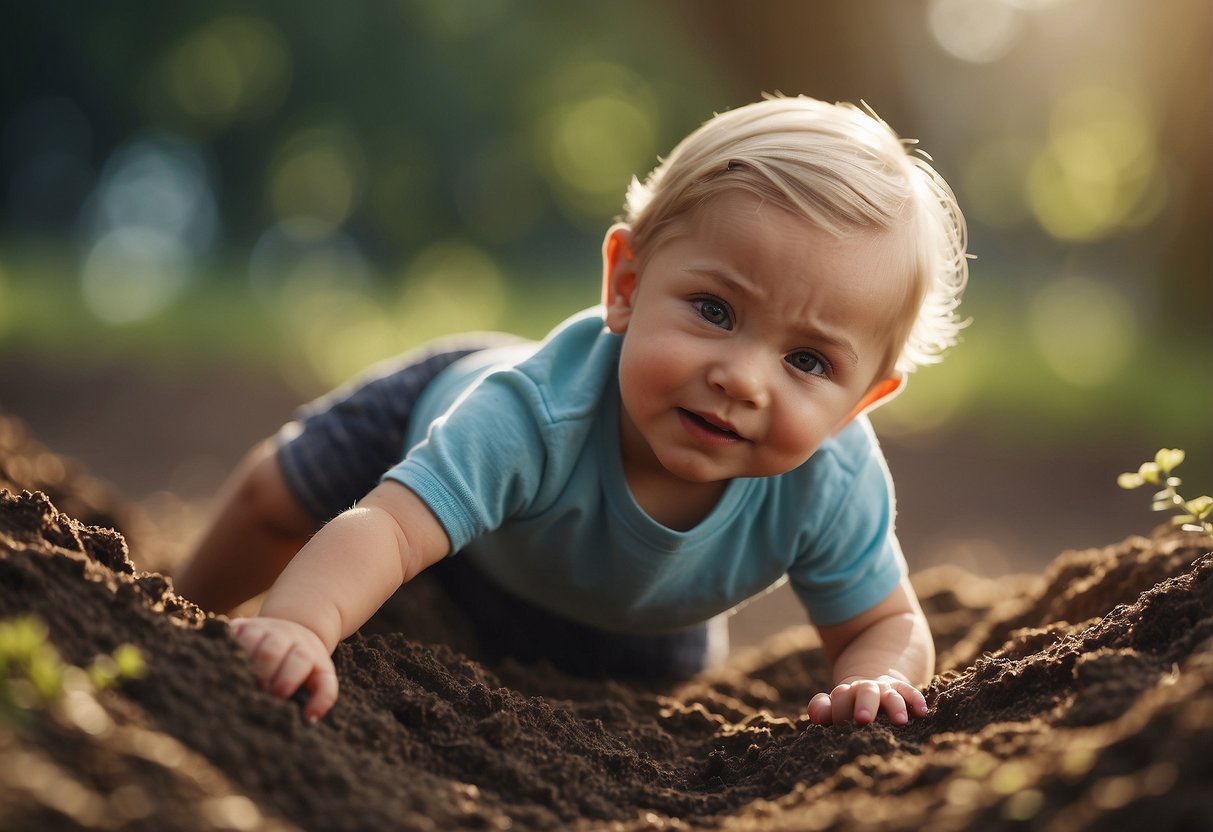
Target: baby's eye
x=714 y=312
x=808 y=362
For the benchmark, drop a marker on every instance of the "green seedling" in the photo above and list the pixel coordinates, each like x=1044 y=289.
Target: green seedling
x=34 y=677
x=1195 y=514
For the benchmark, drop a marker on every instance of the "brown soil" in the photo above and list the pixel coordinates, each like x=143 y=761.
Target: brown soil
x=1079 y=699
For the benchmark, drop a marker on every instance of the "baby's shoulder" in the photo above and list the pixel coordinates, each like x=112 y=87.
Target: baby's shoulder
x=570 y=370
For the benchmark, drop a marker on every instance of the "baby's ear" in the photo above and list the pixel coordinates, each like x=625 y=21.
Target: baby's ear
x=618 y=277
x=879 y=393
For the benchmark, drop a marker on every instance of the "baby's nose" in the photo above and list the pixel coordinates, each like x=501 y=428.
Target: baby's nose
x=739 y=376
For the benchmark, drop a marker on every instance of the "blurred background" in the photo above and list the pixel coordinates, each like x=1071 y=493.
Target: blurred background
x=214 y=212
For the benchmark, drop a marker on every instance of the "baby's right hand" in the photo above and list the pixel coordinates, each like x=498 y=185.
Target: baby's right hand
x=286 y=655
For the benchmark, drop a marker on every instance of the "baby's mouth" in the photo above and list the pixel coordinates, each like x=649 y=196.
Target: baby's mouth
x=708 y=425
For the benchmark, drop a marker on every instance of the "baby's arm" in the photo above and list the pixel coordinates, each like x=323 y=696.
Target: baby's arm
x=880 y=657
x=259 y=527
x=335 y=583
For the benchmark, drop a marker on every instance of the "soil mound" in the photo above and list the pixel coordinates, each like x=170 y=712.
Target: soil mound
x=1079 y=699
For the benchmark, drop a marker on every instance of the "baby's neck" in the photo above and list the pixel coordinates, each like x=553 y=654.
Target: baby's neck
x=681 y=507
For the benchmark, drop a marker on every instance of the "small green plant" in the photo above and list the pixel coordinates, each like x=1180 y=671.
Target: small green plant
x=34 y=677
x=1195 y=514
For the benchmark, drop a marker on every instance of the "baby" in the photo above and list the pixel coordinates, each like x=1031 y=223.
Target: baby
x=613 y=491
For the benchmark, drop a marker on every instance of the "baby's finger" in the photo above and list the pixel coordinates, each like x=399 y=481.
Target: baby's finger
x=867 y=701
x=894 y=706
x=819 y=709
x=842 y=703
x=246 y=633
x=266 y=656
x=294 y=668
x=322 y=685
x=915 y=701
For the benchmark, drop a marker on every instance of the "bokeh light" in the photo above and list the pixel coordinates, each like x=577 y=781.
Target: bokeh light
x=233 y=67
x=151 y=216
x=984 y=31
x=156 y=182
x=599 y=131
x=978 y=31
x=1085 y=330
x=305 y=252
x=992 y=180
x=340 y=328
x=930 y=401
x=459 y=18
x=317 y=174
x=1100 y=170
x=451 y=286
x=316 y=283
x=343 y=325
x=132 y=273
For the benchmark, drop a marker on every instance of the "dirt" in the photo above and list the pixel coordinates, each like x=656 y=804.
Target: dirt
x=1080 y=698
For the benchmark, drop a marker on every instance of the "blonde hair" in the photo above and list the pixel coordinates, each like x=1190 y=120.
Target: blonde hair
x=840 y=167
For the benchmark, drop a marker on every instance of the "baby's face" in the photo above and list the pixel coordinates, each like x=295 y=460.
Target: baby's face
x=750 y=337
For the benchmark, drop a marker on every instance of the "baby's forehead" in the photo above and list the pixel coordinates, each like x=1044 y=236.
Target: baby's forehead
x=875 y=268
x=891 y=248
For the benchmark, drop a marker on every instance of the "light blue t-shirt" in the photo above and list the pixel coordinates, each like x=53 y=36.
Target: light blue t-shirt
x=516 y=451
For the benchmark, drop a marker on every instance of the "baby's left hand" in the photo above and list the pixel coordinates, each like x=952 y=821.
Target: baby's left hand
x=861 y=699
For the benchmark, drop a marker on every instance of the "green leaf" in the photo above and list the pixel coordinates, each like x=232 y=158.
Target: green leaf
x=1130 y=481
x=45 y=672
x=1149 y=472
x=103 y=671
x=131 y=664
x=22 y=637
x=1200 y=507
x=1168 y=458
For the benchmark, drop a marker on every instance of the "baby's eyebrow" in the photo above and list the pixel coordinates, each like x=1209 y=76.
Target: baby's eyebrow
x=733 y=281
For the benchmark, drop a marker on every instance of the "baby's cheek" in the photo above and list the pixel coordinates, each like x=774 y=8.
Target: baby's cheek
x=654 y=365
x=795 y=436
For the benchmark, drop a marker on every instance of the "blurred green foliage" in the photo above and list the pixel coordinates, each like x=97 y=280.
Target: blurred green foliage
x=316 y=186
x=1193 y=514
x=34 y=677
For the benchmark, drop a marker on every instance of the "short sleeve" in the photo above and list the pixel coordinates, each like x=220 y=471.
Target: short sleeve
x=854 y=559
x=338 y=446
x=482 y=461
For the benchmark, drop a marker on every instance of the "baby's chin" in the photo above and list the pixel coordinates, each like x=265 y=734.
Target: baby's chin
x=699 y=474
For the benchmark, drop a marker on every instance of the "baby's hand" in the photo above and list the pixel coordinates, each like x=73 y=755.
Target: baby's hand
x=861 y=699
x=286 y=655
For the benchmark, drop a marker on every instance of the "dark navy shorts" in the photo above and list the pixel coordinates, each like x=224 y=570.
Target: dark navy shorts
x=339 y=446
